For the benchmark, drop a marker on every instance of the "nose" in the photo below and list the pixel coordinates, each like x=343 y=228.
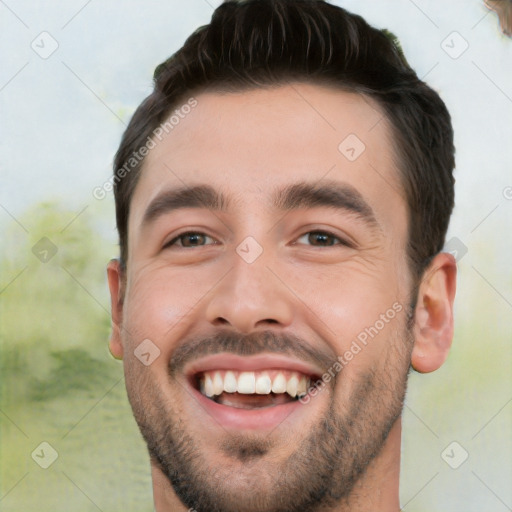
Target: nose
x=250 y=297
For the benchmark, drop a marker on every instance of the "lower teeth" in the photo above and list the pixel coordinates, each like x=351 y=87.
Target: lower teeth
x=253 y=401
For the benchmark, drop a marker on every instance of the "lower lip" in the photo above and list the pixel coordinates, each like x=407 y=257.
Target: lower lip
x=265 y=418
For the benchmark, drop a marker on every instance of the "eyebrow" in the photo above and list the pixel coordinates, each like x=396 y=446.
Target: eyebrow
x=335 y=195
x=199 y=196
x=332 y=194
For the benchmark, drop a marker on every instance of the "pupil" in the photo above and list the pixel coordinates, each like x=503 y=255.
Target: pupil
x=193 y=239
x=322 y=238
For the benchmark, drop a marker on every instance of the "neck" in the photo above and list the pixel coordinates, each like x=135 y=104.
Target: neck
x=377 y=489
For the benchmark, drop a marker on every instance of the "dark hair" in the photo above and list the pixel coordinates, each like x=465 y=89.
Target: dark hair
x=260 y=43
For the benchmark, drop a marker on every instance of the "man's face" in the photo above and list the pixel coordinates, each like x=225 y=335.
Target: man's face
x=303 y=261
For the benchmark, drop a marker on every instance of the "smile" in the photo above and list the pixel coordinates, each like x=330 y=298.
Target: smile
x=256 y=389
x=255 y=392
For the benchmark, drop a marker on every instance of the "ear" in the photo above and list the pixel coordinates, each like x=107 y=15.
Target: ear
x=115 y=284
x=433 y=321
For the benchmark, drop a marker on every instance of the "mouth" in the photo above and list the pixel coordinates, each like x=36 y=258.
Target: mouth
x=252 y=392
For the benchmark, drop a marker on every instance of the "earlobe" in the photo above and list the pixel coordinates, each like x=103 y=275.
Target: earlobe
x=115 y=284
x=433 y=321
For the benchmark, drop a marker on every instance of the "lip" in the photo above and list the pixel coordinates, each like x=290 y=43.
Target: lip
x=266 y=418
x=226 y=361
x=262 y=419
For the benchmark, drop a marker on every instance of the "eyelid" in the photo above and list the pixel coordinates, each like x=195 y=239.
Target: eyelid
x=174 y=239
x=343 y=240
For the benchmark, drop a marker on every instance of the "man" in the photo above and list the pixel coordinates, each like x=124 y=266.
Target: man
x=282 y=199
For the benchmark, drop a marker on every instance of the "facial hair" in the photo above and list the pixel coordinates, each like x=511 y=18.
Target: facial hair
x=321 y=472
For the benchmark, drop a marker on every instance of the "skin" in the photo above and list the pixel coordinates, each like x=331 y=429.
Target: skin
x=247 y=145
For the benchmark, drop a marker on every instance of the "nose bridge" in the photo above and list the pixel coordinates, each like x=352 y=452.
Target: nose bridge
x=250 y=296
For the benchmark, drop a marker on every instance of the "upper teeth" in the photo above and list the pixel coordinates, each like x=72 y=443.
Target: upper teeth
x=262 y=382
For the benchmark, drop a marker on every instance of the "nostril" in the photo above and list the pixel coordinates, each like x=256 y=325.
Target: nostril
x=220 y=321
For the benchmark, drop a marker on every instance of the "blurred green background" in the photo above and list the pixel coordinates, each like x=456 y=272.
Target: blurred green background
x=59 y=382
x=62 y=118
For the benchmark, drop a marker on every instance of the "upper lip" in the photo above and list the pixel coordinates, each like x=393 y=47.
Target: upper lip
x=260 y=362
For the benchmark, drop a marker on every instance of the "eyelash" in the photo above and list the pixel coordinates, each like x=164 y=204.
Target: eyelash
x=341 y=241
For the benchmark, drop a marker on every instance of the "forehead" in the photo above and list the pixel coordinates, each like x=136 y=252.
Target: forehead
x=249 y=143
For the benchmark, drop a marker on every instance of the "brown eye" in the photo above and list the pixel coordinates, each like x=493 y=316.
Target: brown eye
x=191 y=239
x=321 y=239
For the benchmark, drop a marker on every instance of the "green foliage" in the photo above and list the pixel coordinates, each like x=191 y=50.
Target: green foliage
x=58 y=382
x=53 y=310
x=75 y=370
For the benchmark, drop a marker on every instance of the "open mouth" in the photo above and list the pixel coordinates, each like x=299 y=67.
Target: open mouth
x=252 y=389
x=252 y=393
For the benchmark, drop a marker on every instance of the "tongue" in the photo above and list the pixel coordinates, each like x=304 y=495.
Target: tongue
x=241 y=401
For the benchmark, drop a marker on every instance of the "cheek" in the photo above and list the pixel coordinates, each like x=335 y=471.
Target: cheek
x=357 y=308
x=353 y=294
x=159 y=303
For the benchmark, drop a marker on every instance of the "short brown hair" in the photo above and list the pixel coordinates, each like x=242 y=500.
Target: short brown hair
x=260 y=43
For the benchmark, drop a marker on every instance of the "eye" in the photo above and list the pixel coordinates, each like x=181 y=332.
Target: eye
x=321 y=239
x=189 y=239
x=197 y=239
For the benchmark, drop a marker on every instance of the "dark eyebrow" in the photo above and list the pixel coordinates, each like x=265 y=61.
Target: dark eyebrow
x=340 y=196
x=293 y=197
x=200 y=196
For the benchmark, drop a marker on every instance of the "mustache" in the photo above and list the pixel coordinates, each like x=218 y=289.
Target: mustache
x=249 y=345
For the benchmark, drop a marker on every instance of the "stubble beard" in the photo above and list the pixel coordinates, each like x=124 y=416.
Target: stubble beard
x=319 y=475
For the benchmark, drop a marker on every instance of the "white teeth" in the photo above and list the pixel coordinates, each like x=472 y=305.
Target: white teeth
x=247 y=383
x=279 y=384
x=291 y=386
x=263 y=384
x=230 y=383
x=216 y=382
x=208 y=386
